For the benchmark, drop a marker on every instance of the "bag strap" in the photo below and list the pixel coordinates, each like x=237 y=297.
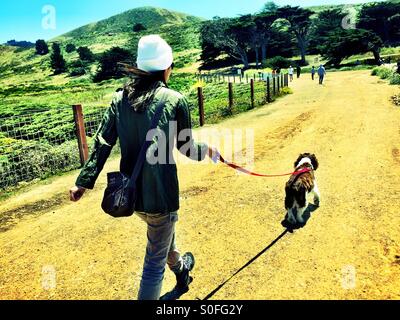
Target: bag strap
x=147 y=143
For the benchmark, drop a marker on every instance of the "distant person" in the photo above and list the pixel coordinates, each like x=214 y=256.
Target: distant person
x=321 y=74
x=313 y=71
x=273 y=73
x=278 y=71
x=291 y=73
x=298 y=69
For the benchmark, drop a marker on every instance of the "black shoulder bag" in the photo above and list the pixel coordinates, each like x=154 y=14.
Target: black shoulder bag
x=121 y=193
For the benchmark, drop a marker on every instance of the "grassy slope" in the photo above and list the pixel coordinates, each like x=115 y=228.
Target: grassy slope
x=26 y=81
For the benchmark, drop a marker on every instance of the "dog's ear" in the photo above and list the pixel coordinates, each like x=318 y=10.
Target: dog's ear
x=314 y=161
x=298 y=160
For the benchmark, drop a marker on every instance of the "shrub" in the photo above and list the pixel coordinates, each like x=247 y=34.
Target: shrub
x=384 y=73
x=70 y=48
x=375 y=71
x=139 y=27
x=77 y=72
x=278 y=62
x=85 y=54
x=395 y=79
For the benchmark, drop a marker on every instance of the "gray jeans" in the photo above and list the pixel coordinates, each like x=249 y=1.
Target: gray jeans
x=161 y=250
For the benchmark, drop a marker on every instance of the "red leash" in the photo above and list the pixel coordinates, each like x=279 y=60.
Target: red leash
x=243 y=170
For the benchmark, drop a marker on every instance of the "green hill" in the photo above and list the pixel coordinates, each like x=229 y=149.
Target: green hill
x=26 y=80
x=118 y=29
x=150 y=17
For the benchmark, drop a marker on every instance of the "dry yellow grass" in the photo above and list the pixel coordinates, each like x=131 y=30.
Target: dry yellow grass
x=226 y=219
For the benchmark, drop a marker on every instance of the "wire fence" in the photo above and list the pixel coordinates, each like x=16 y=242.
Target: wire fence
x=39 y=144
x=35 y=145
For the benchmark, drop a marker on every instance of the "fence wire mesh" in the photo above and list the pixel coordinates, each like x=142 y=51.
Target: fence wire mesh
x=35 y=145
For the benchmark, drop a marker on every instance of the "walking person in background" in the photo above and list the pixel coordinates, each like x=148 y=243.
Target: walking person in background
x=313 y=71
x=298 y=69
x=291 y=73
x=128 y=119
x=321 y=74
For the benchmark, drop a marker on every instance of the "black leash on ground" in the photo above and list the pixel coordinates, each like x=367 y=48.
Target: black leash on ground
x=212 y=293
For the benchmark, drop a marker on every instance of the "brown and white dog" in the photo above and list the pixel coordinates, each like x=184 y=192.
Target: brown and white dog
x=299 y=187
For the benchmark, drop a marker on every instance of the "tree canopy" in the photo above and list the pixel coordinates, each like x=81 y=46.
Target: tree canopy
x=41 y=47
x=109 y=64
x=57 y=61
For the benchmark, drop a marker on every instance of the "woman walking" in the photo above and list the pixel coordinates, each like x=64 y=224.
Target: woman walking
x=128 y=119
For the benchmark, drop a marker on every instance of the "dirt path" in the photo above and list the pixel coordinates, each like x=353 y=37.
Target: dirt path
x=226 y=218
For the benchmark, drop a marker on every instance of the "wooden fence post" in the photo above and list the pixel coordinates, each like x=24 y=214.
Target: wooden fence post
x=252 y=93
x=269 y=90
x=273 y=85
x=282 y=83
x=81 y=133
x=230 y=87
x=278 y=80
x=200 y=98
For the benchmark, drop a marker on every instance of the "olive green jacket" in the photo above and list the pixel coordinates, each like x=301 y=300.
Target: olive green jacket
x=157 y=185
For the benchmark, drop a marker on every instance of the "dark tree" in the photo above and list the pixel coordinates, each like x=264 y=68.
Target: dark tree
x=264 y=22
x=138 y=27
x=383 y=18
x=57 y=61
x=346 y=43
x=69 y=48
x=281 y=43
x=109 y=67
x=210 y=51
x=41 y=47
x=231 y=36
x=326 y=22
x=299 y=23
x=85 y=54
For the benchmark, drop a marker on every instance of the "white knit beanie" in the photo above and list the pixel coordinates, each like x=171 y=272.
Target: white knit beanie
x=154 y=54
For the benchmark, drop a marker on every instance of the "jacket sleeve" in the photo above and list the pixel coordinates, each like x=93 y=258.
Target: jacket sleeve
x=185 y=143
x=105 y=139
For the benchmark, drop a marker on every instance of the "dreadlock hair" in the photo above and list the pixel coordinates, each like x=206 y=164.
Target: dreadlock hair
x=142 y=86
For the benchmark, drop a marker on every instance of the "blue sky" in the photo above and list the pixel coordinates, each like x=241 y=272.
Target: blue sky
x=22 y=19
